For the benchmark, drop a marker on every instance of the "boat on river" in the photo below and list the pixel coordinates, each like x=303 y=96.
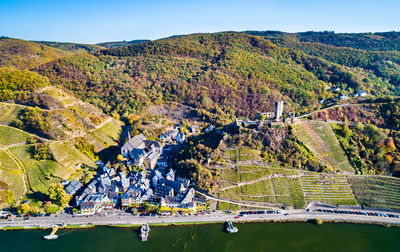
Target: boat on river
x=144 y=232
x=230 y=228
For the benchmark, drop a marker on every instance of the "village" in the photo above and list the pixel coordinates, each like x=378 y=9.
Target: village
x=151 y=186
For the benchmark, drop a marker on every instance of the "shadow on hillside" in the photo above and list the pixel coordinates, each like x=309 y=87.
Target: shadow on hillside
x=38 y=196
x=108 y=153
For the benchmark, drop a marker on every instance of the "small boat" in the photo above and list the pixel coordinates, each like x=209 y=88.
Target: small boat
x=230 y=228
x=144 y=232
x=50 y=237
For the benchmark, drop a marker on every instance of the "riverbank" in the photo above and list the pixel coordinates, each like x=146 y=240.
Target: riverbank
x=123 y=220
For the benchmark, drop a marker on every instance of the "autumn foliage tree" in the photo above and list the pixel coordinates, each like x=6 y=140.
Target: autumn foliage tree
x=58 y=195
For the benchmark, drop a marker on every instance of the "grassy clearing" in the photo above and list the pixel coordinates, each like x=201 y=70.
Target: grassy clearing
x=227 y=206
x=9 y=112
x=233 y=193
x=376 y=191
x=260 y=188
x=244 y=168
x=230 y=175
x=5 y=109
x=79 y=226
x=242 y=154
x=226 y=184
x=109 y=134
x=320 y=138
x=271 y=199
x=9 y=135
x=262 y=171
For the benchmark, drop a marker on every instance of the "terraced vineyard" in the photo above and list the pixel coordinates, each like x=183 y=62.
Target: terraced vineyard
x=40 y=173
x=10 y=176
x=9 y=112
x=377 y=191
x=327 y=188
x=262 y=184
x=319 y=137
x=9 y=135
x=242 y=154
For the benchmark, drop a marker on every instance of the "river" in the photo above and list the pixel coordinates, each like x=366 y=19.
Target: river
x=251 y=237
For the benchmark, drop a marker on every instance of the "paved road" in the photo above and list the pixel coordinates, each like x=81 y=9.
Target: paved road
x=118 y=217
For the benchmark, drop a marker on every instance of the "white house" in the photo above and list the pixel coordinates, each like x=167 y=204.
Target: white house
x=180 y=138
x=361 y=93
x=209 y=128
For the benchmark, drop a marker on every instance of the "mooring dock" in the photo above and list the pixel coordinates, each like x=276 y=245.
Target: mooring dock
x=52 y=235
x=144 y=232
x=230 y=228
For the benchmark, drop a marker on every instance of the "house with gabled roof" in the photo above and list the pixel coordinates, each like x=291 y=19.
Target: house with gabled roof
x=170 y=201
x=185 y=182
x=189 y=196
x=151 y=159
x=162 y=191
x=138 y=150
x=88 y=208
x=130 y=197
x=156 y=178
x=177 y=186
x=170 y=175
x=73 y=187
x=113 y=199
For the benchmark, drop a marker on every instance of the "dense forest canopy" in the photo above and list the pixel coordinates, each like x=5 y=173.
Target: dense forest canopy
x=19 y=84
x=376 y=55
x=377 y=41
x=225 y=73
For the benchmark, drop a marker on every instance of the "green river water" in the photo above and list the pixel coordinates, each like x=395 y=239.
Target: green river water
x=251 y=237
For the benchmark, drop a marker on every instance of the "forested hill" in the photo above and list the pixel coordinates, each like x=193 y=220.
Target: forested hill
x=73 y=47
x=23 y=54
x=377 y=54
x=79 y=47
x=114 y=44
x=379 y=41
x=225 y=74
x=222 y=74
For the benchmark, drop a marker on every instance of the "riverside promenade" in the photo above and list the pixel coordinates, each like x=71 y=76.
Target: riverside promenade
x=121 y=218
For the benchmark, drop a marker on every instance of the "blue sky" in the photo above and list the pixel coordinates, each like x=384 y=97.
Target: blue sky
x=112 y=20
